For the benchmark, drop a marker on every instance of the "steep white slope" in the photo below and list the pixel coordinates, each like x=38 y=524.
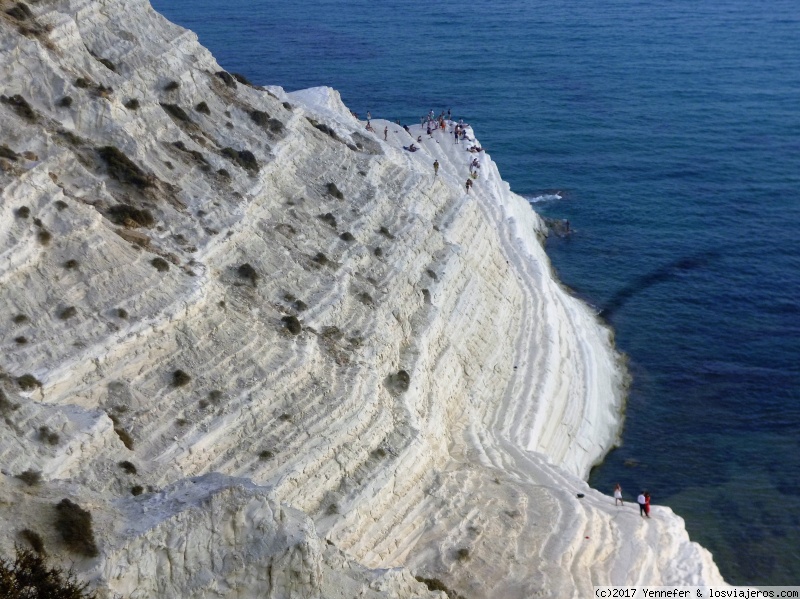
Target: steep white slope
x=287 y=298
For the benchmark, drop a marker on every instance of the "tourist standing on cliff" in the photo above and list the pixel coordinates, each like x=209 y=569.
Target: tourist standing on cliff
x=456 y=133
x=435 y=168
x=647 y=504
x=642 y=501
x=386 y=133
x=618 y=495
x=469 y=185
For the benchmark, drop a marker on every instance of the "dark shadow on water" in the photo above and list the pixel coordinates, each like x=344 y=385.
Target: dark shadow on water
x=659 y=275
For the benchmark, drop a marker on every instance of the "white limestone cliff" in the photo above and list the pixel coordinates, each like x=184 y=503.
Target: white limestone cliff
x=382 y=378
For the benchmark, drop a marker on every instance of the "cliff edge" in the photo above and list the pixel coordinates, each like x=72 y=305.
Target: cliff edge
x=272 y=354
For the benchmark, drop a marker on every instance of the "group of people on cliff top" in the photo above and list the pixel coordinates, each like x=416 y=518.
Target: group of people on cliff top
x=431 y=123
x=643 y=500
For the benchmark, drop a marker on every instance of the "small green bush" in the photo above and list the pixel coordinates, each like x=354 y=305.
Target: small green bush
x=334 y=191
x=20 y=12
x=462 y=554
x=6 y=152
x=203 y=107
x=385 y=232
x=75 y=526
x=244 y=158
x=172 y=86
x=378 y=252
x=263 y=120
x=215 y=396
x=224 y=173
x=44 y=237
x=127 y=466
x=122 y=313
x=23 y=212
x=287 y=106
x=321 y=259
x=242 y=79
x=20 y=318
x=20 y=340
x=60 y=205
x=20 y=106
x=246 y=271
x=160 y=264
x=29 y=577
x=180 y=378
x=226 y=77
x=34 y=539
x=328 y=218
x=123 y=169
x=49 y=436
x=347 y=236
x=266 y=455
x=292 y=324
x=83 y=83
x=67 y=313
x=176 y=112
x=71 y=264
x=123 y=214
x=30 y=477
x=107 y=64
x=132 y=104
x=65 y=102
x=27 y=382
x=137 y=490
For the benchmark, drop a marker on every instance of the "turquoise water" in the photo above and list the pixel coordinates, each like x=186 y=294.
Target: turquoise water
x=673 y=132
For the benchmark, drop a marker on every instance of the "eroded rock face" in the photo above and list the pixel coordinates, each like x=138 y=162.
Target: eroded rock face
x=397 y=389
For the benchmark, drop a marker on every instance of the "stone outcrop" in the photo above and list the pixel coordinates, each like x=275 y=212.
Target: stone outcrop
x=273 y=355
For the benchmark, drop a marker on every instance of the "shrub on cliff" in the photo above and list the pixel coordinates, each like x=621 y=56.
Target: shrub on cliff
x=34 y=538
x=74 y=524
x=203 y=107
x=123 y=169
x=160 y=264
x=246 y=271
x=28 y=382
x=21 y=12
x=176 y=112
x=180 y=378
x=244 y=158
x=334 y=191
x=28 y=576
x=263 y=120
x=20 y=106
x=123 y=214
x=227 y=78
x=6 y=152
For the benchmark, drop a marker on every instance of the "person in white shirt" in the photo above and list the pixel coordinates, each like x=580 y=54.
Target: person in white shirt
x=641 y=500
x=618 y=495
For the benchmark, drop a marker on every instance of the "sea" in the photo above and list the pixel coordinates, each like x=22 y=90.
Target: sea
x=668 y=134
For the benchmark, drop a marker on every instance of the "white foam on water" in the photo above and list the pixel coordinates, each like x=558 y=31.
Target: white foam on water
x=545 y=197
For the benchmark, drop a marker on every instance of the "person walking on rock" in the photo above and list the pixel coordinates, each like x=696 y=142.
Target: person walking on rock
x=642 y=501
x=469 y=185
x=435 y=168
x=647 y=504
x=618 y=495
x=455 y=133
x=386 y=133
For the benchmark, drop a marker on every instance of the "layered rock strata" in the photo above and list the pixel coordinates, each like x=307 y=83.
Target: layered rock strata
x=273 y=355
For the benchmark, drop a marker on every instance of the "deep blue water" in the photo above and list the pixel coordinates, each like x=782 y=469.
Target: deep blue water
x=673 y=131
